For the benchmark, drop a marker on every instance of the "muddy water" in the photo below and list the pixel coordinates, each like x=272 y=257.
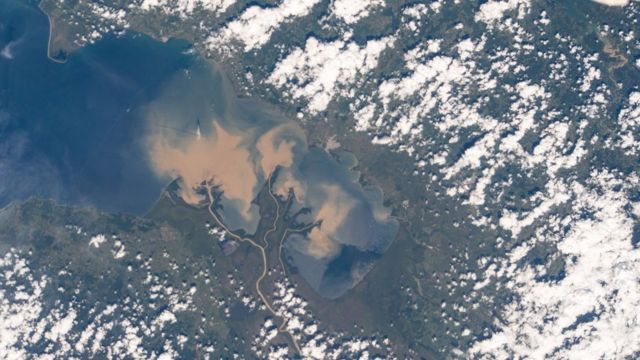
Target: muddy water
x=126 y=116
x=199 y=131
x=355 y=231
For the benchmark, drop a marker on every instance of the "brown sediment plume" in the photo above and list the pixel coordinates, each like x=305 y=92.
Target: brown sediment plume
x=613 y=52
x=223 y=156
x=381 y=213
x=230 y=159
x=333 y=212
x=273 y=151
x=286 y=181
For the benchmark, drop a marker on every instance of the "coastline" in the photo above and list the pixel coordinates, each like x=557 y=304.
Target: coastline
x=49 y=39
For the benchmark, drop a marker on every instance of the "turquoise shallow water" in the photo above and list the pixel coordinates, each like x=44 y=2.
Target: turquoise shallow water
x=122 y=118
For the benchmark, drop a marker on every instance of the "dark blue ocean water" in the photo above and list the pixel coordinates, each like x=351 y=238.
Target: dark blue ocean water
x=70 y=131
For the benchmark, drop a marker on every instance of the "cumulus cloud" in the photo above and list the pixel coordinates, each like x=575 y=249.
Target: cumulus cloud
x=253 y=28
x=352 y=11
x=322 y=70
x=590 y=311
x=187 y=6
x=613 y=2
x=492 y=11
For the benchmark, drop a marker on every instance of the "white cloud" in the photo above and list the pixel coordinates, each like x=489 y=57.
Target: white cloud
x=322 y=71
x=352 y=11
x=590 y=313
x=629 y=122
x=7 y=51
x=61 y=327
x=494 y=10
x=613 y=2
x=253 y=28
x=18 y=313
x=34 y=323
x=185 y=7
x=97 y=240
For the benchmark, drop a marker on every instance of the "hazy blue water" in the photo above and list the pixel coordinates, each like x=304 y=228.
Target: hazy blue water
x=362 y=239
x=69 y=131
x=78 y=132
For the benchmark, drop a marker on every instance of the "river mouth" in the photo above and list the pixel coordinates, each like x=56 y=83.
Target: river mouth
x=124 y=117
x=198 y=130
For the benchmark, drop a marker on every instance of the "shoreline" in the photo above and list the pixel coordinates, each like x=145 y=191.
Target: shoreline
x=49 y=36
x=263 y=253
